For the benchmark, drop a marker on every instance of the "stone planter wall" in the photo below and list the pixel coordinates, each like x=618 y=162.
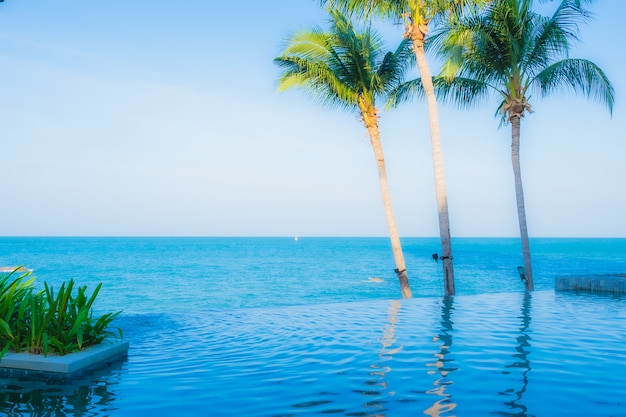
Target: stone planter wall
x=27 y=364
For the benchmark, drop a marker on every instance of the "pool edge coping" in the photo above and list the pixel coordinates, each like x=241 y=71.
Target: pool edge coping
x=68 y=364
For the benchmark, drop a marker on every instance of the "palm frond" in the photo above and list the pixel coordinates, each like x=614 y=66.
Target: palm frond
x=391 y=71
x=307 y=43
x=581 y=76
x=343 y=66
x=465 y=92
x=404 y=92
x=318 y=80
x=553 y=36
x=365 y=9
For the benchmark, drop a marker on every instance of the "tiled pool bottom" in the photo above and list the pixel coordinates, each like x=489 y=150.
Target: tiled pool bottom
x=545 y=354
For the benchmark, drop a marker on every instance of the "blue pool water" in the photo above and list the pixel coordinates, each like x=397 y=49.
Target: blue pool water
x=261 y=327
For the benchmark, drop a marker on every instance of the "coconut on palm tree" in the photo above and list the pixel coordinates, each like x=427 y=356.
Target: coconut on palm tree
x=349 y=68
x=510 y=50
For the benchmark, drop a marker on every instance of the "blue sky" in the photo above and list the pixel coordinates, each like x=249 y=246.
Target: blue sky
x=148 y=118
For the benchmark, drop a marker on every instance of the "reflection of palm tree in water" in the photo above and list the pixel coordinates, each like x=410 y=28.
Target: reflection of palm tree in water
x=521 y=361
x=443 y=365
x=377 y=386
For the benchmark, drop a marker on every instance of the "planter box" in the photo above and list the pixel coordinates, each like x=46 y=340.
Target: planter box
x=27 y=364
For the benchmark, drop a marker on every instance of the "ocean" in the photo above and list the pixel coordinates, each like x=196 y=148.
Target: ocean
x=177 y=274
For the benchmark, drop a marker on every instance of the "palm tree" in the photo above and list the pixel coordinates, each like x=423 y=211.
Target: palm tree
x=416 y=16
x=346 y=68
x=510 y=50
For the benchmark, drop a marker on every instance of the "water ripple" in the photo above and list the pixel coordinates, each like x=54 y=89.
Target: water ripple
x=476 y=355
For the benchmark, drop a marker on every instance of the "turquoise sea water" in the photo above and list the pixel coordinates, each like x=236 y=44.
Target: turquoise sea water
x=274 y=327
x=184 y=274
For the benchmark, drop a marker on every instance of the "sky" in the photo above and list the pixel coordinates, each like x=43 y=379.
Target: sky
x=155 y=118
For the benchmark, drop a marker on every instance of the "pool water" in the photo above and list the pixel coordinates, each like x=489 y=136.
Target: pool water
x=509 y=354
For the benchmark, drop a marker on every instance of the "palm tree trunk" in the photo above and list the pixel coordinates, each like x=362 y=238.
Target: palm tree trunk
x=372 y=127
x=440 y=180
x=521 y=207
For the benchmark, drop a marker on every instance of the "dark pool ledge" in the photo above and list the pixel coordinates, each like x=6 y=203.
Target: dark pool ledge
x=26 y=364
x=608 y=283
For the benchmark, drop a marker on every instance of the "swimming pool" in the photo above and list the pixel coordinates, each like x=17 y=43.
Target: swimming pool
x=515 y=354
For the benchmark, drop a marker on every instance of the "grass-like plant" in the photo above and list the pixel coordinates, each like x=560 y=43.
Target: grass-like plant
x=15 y=288
x=44 y=322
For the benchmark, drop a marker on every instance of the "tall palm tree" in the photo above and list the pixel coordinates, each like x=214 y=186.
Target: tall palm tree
x=416 y=16
x=510 y=50
x=346 y=68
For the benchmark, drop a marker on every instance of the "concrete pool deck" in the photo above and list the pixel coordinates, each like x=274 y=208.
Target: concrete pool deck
x=27 y=364
x=606 y=283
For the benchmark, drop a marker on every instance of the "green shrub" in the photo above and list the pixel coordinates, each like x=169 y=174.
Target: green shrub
x=44 y=322
x=14 y=289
